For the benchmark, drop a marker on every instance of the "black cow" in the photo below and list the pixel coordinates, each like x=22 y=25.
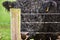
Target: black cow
x=46 y=7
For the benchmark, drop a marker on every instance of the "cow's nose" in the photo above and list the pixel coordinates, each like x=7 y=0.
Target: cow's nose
x=27 y=34
x=24 y=35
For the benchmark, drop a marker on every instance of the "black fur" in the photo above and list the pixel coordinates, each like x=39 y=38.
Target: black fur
x=47 y=27
x=6 y=4
x=26 y=6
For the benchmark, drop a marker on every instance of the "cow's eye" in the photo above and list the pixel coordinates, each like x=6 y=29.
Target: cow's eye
x=10 y=6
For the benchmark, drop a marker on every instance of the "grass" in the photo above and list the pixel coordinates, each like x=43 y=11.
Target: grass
x=4 y=14
x=5 y=34
x=4 y=23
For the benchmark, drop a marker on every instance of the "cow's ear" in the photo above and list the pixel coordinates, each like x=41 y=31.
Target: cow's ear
x=7 y=5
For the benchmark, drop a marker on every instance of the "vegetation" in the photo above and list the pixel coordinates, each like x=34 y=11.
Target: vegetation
x=4 y=23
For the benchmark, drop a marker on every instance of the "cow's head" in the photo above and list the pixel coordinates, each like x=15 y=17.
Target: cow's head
x=8 y=5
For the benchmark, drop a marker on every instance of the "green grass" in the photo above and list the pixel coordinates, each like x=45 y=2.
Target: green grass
x=4 y=23
x=4 y=14
x=5 y=34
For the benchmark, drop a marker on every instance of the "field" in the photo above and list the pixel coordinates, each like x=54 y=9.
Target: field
x=4 y=23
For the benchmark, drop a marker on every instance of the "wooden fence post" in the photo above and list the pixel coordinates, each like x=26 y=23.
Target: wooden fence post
x=15 y=23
